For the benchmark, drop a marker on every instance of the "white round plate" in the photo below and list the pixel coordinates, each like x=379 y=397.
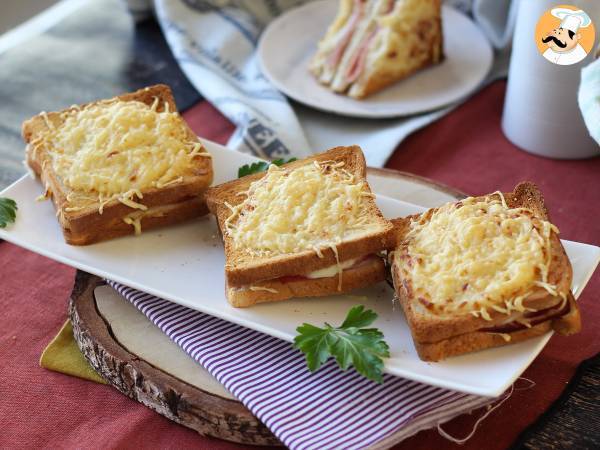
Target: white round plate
x=288 y=43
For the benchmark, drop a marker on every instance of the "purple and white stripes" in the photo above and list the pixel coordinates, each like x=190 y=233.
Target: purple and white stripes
x=330 y=409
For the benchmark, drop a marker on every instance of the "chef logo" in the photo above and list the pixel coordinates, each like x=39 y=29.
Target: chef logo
x=565 y=35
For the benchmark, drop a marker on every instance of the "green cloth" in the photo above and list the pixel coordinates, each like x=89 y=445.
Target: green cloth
x=63 y=355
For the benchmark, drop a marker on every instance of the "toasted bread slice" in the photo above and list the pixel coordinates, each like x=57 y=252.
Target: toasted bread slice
x=245 y=267
x=83 y=215
x=154 y=217
x=411 y=40
x=295 y=287
x=371 y=45
x=430 y=327
x=568 y=324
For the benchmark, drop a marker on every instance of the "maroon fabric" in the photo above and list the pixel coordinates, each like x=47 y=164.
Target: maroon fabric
x=466 y=149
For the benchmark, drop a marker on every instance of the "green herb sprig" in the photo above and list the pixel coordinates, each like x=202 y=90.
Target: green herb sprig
x=261 y=166
x=8 y=211
x=351 y=344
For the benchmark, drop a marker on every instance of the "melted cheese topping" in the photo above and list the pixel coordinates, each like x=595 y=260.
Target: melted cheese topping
x=263 y=288
x=507 y=337
x=331 y=271
x=253 y=288
x=477 y=256
x=115 y=150
x=135 y=218
x=312 y=207
x=136 y=221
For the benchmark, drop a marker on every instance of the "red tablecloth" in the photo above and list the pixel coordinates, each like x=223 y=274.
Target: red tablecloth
x=466 y=149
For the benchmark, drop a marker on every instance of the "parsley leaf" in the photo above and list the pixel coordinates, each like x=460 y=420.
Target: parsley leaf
x=350 y=344
x=8 y=211
x=249 y=169
x=261 y=166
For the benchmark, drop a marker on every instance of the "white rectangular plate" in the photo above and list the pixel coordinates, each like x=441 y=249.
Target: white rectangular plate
x=184 y=264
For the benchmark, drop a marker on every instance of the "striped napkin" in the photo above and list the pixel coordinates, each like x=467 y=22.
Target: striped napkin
x=329 y=409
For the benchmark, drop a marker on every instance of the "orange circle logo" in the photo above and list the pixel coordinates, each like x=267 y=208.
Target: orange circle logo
x=565 y=35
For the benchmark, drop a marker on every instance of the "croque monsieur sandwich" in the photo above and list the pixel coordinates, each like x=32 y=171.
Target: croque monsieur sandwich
x=306 y=229
x=374 y=43
x=117 y=166
x=483 y=272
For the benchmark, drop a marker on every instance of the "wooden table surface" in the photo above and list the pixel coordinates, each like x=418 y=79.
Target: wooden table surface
x=99 y=53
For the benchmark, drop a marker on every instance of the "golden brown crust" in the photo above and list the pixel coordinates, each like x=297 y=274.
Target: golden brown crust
x=568 y=324
x=354 y=278
x=78 y=225
x=428 y=328
x=378 y=81
x=471 y=342
x=241 y=269
x=171 y=214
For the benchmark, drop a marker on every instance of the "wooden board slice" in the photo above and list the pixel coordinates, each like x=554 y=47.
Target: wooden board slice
x=202 y=410
x=139 y=360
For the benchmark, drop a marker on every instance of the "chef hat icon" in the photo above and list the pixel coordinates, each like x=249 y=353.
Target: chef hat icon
x=570 y=19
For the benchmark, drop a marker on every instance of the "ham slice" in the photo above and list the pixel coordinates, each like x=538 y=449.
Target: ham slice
x=390 y=6
x=359 y=58
x=346 y=34
x=358 y=263
x=533 y=318
x=357 y=64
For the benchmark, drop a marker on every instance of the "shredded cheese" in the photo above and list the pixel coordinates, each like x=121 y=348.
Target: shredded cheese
x=312 y=207
x=49 y=124
x=135 y=218
x=478 y=256
x=115 y=150
x=45 y=196
x=507 y=337
x=136 y=221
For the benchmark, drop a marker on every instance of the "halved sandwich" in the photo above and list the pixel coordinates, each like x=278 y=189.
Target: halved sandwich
x=306 y=229
x=483 y=272
x=374 y=43
x=119 y=166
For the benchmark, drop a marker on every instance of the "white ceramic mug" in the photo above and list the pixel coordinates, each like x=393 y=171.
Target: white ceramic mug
x=541 y=114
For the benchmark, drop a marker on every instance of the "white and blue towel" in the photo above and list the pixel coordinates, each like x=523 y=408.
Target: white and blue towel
x=215 y=41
